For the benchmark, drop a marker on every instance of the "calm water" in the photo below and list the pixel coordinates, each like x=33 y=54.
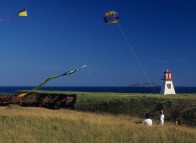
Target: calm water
x=14 y=89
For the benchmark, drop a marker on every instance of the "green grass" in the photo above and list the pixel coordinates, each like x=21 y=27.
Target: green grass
x=134 y=104
x=183 y=106
x=39 y=125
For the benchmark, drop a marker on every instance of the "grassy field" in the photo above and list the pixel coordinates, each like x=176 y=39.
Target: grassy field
x=175 y=106
x=181 y=106
x=40 y=125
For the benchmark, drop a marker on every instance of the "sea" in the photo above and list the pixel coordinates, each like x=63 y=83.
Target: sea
x=179 y=90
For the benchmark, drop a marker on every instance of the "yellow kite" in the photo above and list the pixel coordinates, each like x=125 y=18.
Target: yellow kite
x=22 y=12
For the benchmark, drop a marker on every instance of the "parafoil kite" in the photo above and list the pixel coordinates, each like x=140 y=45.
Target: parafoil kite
x=50 y=78
x=22 y=12
x=111 y=17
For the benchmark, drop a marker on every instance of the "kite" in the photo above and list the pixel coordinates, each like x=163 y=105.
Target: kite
x=22 y=12
x=111 y=17
x=50 y=78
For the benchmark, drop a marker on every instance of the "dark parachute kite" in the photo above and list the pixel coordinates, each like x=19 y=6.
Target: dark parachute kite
x=22 y=12
x=111 y=17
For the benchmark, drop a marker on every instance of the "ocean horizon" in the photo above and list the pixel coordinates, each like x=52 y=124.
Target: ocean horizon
x=153 y=90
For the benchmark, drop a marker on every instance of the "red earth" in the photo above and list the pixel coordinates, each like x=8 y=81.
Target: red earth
x=52 y=101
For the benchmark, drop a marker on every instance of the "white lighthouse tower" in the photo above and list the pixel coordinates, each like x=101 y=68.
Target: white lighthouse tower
x=167 y=87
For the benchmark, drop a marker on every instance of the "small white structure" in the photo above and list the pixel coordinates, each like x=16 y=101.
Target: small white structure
x=167 y=87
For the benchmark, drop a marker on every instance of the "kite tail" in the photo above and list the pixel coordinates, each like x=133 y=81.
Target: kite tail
x=23 y=94
x=50 y=78
x=83 y=66
x=41 y=84
x=37 y=87
x=8 y=18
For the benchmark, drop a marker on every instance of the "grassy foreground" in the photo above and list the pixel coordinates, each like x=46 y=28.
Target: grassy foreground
x=35 y=125
x=181 y=106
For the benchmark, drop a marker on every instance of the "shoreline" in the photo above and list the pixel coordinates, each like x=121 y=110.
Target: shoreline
x=115 y=89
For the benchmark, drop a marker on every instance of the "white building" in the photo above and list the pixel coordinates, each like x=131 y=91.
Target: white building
x=167 y=87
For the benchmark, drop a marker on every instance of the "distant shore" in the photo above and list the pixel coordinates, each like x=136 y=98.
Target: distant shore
x=179 y=90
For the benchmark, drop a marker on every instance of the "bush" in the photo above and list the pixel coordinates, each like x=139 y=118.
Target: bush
x=138 y=105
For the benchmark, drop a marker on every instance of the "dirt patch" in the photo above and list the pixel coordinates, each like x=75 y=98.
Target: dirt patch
x=52 y=101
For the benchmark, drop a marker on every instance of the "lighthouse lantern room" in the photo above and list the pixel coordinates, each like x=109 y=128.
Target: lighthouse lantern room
x=167 y=87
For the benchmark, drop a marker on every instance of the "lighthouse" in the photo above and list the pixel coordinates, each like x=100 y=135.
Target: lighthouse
x=167 y=87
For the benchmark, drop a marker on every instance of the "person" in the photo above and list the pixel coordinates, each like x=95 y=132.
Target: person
x=147 y=121
x=162 y=116
x=178 y=121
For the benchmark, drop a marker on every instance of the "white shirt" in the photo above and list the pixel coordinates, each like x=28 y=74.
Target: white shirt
x=147 y=122
x=161 y=120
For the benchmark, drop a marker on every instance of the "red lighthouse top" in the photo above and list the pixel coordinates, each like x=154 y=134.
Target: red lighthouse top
x=167 y=75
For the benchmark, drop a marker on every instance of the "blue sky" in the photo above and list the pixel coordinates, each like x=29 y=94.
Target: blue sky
x=59 y=35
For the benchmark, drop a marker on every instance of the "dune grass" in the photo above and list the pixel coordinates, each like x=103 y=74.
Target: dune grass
x=39 y=125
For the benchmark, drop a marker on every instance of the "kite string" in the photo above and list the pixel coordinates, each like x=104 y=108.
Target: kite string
x=135 y=55
x=61 y=42
x=56 y=38
x=100 y=81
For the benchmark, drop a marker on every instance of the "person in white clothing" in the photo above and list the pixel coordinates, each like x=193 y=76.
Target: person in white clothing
x=147 y=121
x=162 y=116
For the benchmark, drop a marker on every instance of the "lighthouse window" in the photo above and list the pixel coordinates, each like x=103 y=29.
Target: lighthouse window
x=169 y=86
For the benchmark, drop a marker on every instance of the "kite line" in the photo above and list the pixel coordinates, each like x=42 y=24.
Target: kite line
x=112 y=17
x=90 y=72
